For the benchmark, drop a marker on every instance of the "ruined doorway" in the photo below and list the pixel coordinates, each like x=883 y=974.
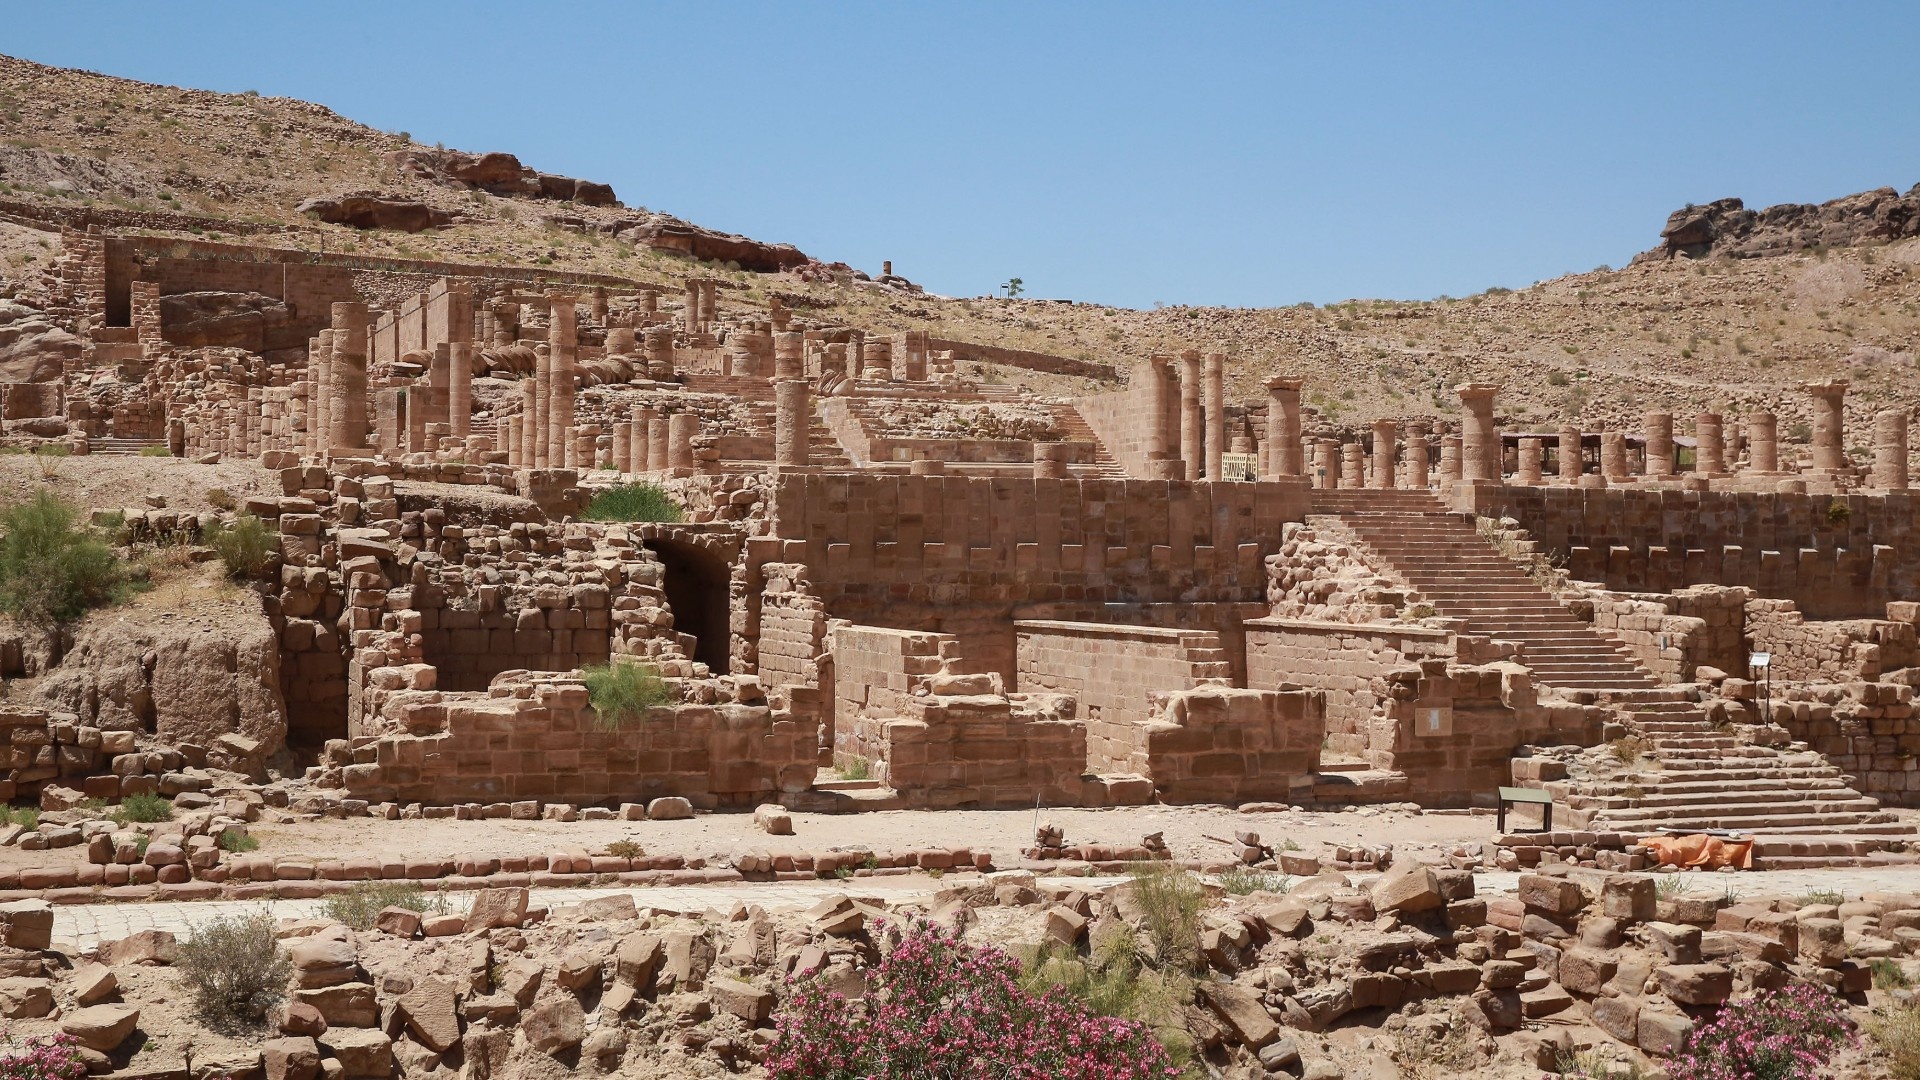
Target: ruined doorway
x=697 y=583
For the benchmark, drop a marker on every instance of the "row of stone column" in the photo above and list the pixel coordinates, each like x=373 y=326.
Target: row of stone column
x=651 y=442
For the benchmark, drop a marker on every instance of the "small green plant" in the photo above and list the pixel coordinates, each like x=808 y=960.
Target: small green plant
x=220 y=499
x=358 y=906
x=843 y=872
x=155 y=451
x=852 y=767
x=621 y=692
x=1889 y=975
x=1112 y=980
x=245 y=547
x=1557 y=378
x=1837 y=512
x=235 y=968
x=1671 y=886
x=142 y=808
x=1822 y=896
x=236 y=842
x=52 y=568
x=27 y=817
x=625 y=849
x=1629 y=751
x=1170 y=900
x=1897 y=1030
x=1240 y=881
x=634 y=502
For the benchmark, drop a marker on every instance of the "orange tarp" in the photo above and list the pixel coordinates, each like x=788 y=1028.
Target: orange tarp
x=1701 y=850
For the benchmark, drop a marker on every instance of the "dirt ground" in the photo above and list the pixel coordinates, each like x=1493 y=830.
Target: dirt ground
x=115 y=482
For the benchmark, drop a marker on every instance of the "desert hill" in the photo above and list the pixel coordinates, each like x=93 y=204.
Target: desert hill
x=1751 y=304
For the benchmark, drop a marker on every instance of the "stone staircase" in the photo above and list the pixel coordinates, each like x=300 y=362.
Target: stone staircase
x=1448 y=564
x=121 y=447
x=1074 y=428
x=1802 y=810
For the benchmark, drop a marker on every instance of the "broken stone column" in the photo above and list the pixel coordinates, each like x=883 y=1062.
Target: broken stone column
x=1829 y=424
x=1191 y=431
x=562 y=339
x=1415 y=467
x=1890 y=450
x=1707 y=458
x=1326 y=464
x=690 y=308
x=792 y=418
x=510 y=431
x=1613 y=456
x=1283 y=428
x=657 y=440
x=1659 y=433
x=789 y=358
x=1385 y=434
x=709 y=303
x=681 y=429
x=1763 y=443
x=460 y=389
x=1532 y=453
x=414 y=405
x=347 y=391
x=657 y=347
x=1159 y=406
x=1216 y=413
x=542 y=406
x=320 y=413
x=529 y=424
x=914 y=349
x=1353 y=465
x=1480 y=457
x=1050 y=461
x=600 y=304
x=876 y=360
x=623 y=446
x=643 y=459
x=1573 y=459
x=1451 y=468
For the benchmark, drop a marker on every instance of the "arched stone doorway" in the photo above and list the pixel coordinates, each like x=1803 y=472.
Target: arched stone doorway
x=696 y=583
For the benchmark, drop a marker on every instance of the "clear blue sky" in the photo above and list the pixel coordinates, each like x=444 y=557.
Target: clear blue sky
x=1236 y=154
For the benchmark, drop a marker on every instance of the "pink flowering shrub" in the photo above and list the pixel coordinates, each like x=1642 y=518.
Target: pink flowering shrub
x=939 y=1009
x=45 y=1057
x=1788 y=1034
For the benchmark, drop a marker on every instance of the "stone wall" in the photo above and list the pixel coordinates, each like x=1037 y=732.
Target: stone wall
x=1323 y=573
x=1835 y=556
x=534 y=736
x=1220 y=744
x=1344 y=662
x=1841 y=651
x=1113 y=671
x=1867 y=729
x=1672 y=634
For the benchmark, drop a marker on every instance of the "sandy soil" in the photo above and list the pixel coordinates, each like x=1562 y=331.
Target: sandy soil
x=117 y=482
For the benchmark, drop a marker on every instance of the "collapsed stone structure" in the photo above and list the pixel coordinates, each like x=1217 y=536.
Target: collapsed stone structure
x=984 y=599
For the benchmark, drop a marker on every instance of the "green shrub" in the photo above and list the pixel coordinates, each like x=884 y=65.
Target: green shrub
x=1240 y=881
x=621 y=692
x=358 y=906
x=53 y=449
x=1897 y=1030
x=1170 y=900
x=27 y=817
x=51 y=567
x=235 y=968
x=1889 y=975
x=144 y=808
x=1113 y=981
x=245 y=547
x=155 y=451
x=634 y=502
x=238 y=843
x=852 y=767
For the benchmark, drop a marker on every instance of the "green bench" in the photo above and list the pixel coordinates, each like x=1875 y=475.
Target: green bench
x=1511 y=795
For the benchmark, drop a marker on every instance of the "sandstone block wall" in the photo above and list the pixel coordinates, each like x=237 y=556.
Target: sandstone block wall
x=1113 y=671
x=536 y=737
x=1672 y=634
x=1845 y=650
x=1867 y=729
x=1344 y=662
x=1832 y=555
x=1222 y=744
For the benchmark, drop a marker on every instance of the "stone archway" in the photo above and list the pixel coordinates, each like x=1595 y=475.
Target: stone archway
x=697 y=583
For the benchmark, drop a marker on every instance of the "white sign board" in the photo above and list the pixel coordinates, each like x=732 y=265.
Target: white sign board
x=1760 y=660
x=1239 y=466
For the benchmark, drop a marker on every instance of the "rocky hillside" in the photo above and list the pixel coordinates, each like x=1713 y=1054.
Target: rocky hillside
x=1837 y=292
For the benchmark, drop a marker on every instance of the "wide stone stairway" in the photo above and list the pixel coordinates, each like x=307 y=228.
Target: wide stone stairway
x=1450 y=565
x=1692 y=776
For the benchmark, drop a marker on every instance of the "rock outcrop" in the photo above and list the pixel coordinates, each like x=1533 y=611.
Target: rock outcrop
x=32 y=348
x=501 y=174
x=1727 y=227
x=664 y=233
x=240 y=320
x=364 y=210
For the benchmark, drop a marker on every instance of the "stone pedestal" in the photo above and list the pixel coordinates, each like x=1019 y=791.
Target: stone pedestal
x=1890 y=450
x=1283 y=428
x=1451 y=466
x=1479 y=440
x=876 y=361
x=1386 y=434
x=789 y=358
x=1353 y=466
x=1659 y=433
x=1050 y=461
x=1326 y=464
x=1829 y=424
